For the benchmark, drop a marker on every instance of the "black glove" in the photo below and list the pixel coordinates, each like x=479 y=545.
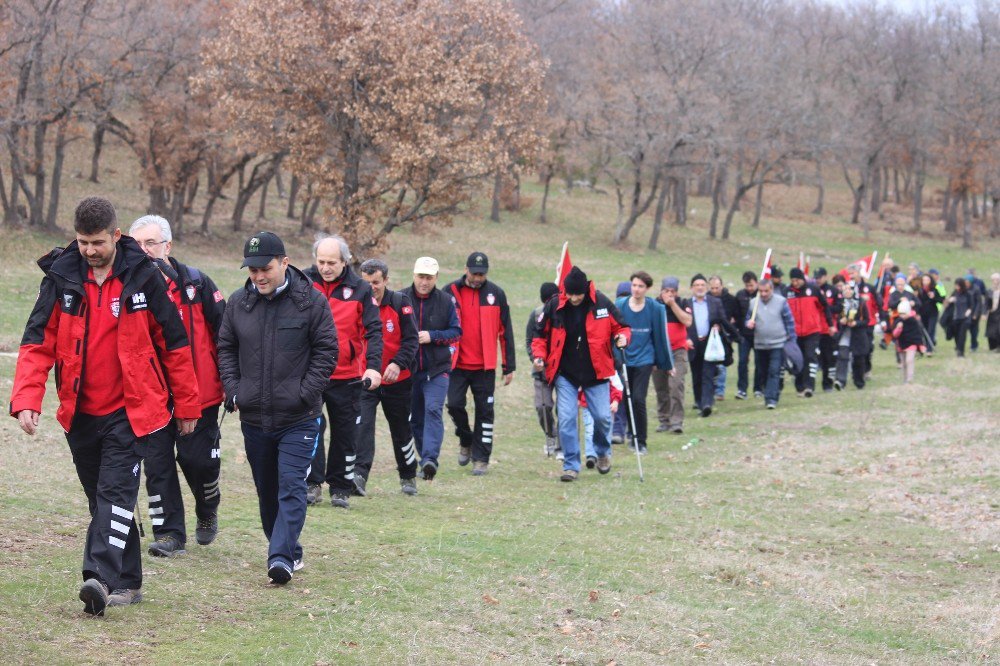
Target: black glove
x=230 y=404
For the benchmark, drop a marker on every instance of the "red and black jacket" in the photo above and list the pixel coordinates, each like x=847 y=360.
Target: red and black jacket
x=153 y=348
x=399 y=332
x=810 y=310
x=603 y=323
x=201 y=306
x=355 y=314
x=494 y=325
x=870 y=299
x=832 y=297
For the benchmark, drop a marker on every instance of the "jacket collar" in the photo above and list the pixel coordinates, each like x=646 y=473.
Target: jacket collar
x=299 y=289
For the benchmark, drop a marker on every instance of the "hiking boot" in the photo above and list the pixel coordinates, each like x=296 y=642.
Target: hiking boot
x=808 y=393
x=617 y=439
x=340 y=500
x=604 y=464
x=720 y=398
x=359 y=486
x=706 y=412
x=480 y=468
x=591 y=461
x=464 y=455
x=741 y=395
x=569 y=475
x=430 y=469
x=205 y=531
x=124 y=597
x=94 y=596
x=166 y=546
x=279 y=573
x=837 y=385
x=314 y=494
x=408 y=486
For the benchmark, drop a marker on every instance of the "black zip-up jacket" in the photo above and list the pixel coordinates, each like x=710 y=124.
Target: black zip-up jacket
x=276 y=355
x=437 y=315
x=743 y=299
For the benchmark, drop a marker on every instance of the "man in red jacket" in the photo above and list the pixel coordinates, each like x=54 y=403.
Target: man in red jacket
x=104 y=321
x=572 y=345
x=201 y=306
x=812 y=318
x=399 y=349
x=485 y=316
x=359 y=334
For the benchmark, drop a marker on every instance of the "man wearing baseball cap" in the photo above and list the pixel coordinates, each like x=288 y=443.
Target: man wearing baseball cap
x=277 y=349
x=438 y=332
x=485 y=316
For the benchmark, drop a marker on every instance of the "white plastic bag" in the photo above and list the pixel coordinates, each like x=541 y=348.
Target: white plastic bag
x=714 y=351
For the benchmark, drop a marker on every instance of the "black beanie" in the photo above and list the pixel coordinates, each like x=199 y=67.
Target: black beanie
x=548 y=290
x=796 y=273
x=576 y=282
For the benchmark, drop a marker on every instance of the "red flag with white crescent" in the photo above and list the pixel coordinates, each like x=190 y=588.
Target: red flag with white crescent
x=563 y=267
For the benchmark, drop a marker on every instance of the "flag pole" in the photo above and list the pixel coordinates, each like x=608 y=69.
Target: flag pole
x=767 y=262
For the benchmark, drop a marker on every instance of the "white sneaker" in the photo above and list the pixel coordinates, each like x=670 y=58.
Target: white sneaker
x=298 y=564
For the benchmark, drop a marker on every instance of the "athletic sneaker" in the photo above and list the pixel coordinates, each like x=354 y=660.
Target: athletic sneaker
x=837 y=385
x=706 y=412
x=560 y=456
x=604 y=464
x=808 y=393
x=569 y=475
x=480 y=468
x=591 y=462
x=617 y=439
x=430 y=469
x=94 y=596
x=279 y=573
x=408 y=486
x=166 y=546
x=124 y=597
x=206 y=530
x=772 y=405
x=741 y=395
x=758 y=394
x=359 y=486
x=340 y=500
x=663 y=427
x=314 y=494
x=464 y=455
x=551 y=446
x=298 y=565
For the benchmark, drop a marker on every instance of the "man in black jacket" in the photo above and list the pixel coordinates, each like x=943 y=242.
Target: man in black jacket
x=277 y=349
x=732 y=309
x=743 y=298
x=438 y=330
x=707 y=314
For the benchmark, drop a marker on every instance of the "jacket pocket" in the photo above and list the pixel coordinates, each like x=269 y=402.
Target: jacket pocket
x=292 y=335
x=156 y=372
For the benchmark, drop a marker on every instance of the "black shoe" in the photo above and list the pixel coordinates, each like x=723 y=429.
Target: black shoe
x=430 y=468
x=408 y=486
x=808 y=393
x=340 y=500
x=706 y=412
x=166 y=546
x=124 y=597
x=359 y=486
x=279 y=573
x=591 y=462
x=94 y=596
x=206 y=530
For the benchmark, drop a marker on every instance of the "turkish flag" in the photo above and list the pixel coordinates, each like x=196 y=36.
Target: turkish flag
x=765 y=273
x=864 y=263
x=563 y=267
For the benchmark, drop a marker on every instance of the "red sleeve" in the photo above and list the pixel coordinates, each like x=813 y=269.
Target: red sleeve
x=37 y=354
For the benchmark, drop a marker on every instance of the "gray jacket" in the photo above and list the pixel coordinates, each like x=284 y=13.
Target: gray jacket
x=775 y=324
x=276 y=355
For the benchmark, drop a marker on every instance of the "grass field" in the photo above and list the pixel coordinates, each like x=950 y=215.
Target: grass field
x=856 y=527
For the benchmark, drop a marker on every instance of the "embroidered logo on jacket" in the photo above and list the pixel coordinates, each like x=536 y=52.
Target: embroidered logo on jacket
x=601 y=313
x=139 y=301
x=67 y=301
x=490 y=299
x=389 y=326
x=407 y=309
x=347 y=292
x=116 y=306
x=191 y=291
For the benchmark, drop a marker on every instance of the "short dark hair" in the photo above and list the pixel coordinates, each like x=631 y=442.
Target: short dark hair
x=749 y=275
x=838 y=278
x=646 y=278
x=372 y=266
x=698 y=276
x=94 y=215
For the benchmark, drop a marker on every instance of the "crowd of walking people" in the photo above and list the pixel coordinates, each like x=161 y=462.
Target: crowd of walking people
x=149 y=356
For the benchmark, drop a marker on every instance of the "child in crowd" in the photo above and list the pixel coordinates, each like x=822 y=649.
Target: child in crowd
x=909 y=338
x=852 y=345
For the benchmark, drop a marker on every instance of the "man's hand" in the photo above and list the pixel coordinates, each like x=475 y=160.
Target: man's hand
x=229 y=404
x=751 y=324
x=186 y=426
x=424 y=338
x=669 y=299
x=833 y=330
x=375 y=377
x=538 y=364
x=614 y=406
x=28 y=420
x=672 y=372
x=391 y=373
x=621 y=341
x=508 y=378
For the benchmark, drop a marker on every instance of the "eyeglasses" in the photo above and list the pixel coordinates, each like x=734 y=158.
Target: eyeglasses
x=149 y=245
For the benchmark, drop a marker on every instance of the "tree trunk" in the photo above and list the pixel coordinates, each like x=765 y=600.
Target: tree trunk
x=875 y=175
x=966 y=220
x=946 y=201
x=547 y=181
x=717 y=189
x=733 y=207
x=706 y=181
x=4 y=201
x=975 y=205
x=192 y=192
x=951 y=219
x=757 y=204
x=95 y=158
x=36 y=203
x=262 y=208
x=497 y=184
x=680 y=201
x=293 y=193
x=995 y=227
x=309 y=213
x=158 y=199
x=57 y=169
x=895 y=186
x=279 y=184
x=517 y=191
x=820 y=189
x=858 y=192
x=177 y=211
x=885 y=184
x=661 y=205
x=918 y=196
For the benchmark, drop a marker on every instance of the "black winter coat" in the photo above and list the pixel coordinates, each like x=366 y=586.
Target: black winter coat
x=276 y=355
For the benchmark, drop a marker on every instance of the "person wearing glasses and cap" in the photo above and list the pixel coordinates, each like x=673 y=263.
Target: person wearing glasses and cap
x=277 y=349
x=485 y=316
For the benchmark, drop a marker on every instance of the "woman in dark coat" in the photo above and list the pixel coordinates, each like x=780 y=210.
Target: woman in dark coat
x=930 y=298
x=965 y=307
x=993 y=318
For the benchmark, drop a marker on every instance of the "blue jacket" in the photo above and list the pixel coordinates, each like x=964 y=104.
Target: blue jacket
x=649 y=344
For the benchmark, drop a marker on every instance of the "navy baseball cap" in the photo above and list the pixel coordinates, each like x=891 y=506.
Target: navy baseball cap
x=261 y=248
x=478 y=263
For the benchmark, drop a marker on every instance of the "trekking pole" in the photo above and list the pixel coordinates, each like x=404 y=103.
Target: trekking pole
x=631 y=419
x=927 y=337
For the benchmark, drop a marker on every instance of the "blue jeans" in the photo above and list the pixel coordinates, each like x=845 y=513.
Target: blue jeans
x=720 y=381
x=599 y=405
x=588 y=433
x=279 y=462
x=426 y=411
x=771 y=360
